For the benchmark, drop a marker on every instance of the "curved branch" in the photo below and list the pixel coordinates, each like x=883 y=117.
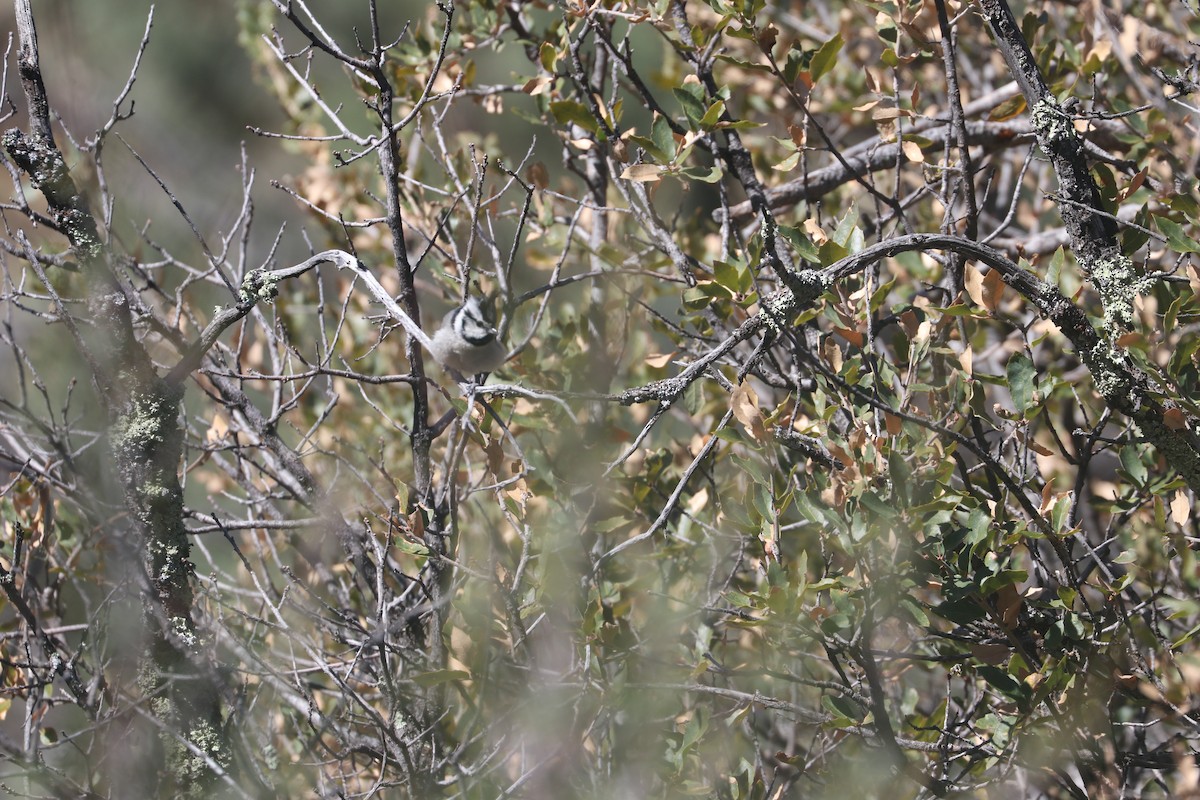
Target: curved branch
x=257 y=285
x=1125 y=387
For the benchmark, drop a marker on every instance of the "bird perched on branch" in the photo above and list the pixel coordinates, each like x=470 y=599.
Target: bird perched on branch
x=466 y=340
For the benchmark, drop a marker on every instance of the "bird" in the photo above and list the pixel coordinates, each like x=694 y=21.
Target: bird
x=466 y=341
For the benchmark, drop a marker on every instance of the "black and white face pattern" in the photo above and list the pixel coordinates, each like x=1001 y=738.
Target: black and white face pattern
x=471 y=324
x=467 y=342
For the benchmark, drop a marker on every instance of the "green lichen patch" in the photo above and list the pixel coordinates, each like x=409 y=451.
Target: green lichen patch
x=1052 y=124
x=1110 y=370
x=1118 y=283
x=258 y=286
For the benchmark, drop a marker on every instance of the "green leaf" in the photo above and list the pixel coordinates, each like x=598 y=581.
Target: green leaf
x=704 y=174
x=1022 y=378
x=845 y=228
x=1177 y=240
x=1006 y=684
x=789 y=163
x=663 y=138
x=872 y=502
x=725 y=274
x=1054 y=271
x=842 y=708
x=805 y=248
x=994 y=583
x=825 y=57
x=831 y=252
x=1010 y=108
x=739 y=125
x=412 y=548
x=548 y=57
x=795 y=62
x=712 y=115
x=659 y=156
x=440 y=676
x=1131 y=461
x=915 y=612
x=695 y=298
x=747 y=65
x=693 y=105
x=961 y=610
x=568 y=111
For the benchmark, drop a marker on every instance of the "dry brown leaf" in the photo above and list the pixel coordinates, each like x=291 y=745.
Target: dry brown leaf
x=642 y=173
x=1127 y=339
x=993 y=289
x=1135 y=183
x=1175 y=419
x=893 y=423
x=538 y=175
x=799 y=135
x=973 y=282
x=744 y=403
x=853 y=337
x=536 y=86
x=495 y=458
x=1039 y=448
x=1008 y=603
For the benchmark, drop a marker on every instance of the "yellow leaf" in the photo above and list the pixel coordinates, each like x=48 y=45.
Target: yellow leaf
x=923 y=331
x=218 y=428
x=833 y=355
x=819 y=237
x=1100 y=50
x=912 y=151
x=1181 y=509
x=967 y=359
x=659 y=360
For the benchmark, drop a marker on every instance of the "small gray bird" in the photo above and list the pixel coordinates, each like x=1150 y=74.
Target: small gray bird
x=467 y=342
